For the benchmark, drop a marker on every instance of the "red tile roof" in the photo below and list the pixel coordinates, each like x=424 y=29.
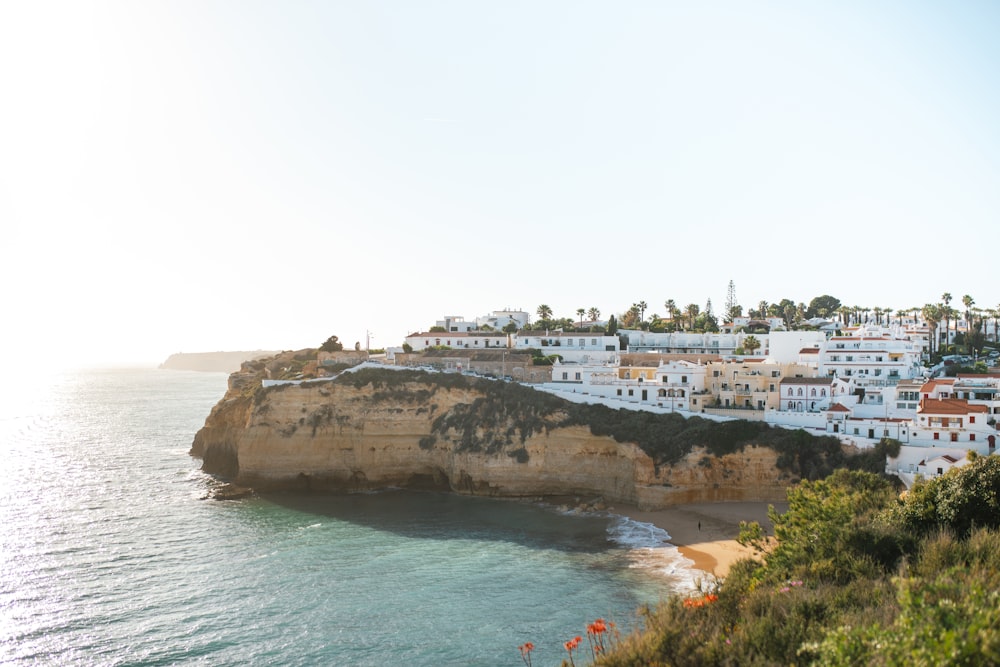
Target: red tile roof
x=949 y=406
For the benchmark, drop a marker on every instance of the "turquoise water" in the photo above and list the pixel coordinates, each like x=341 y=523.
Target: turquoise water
x=110 y=555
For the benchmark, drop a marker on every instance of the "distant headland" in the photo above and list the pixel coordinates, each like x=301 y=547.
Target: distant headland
x=225 y=362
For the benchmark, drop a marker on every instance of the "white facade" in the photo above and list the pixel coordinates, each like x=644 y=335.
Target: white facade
x=498 y=319
x=455 y=324
x=805 y=394
x=778 y=346
x=472 y=340
x=873 y=357
x=979 y=390
x=784 y=346
x=669 y=386
x=685 y=342
x=582 y=348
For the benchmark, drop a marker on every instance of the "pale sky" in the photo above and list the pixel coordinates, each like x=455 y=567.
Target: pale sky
x=219 y=175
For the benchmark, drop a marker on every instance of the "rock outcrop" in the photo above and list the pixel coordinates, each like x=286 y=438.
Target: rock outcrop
x=380 y=429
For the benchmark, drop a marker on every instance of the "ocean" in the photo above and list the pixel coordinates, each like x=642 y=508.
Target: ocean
x=110 y=553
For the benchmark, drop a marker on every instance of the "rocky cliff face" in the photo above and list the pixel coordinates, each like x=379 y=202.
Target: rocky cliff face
x=407 y=429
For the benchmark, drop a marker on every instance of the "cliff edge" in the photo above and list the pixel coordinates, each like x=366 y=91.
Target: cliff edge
x=380 y=428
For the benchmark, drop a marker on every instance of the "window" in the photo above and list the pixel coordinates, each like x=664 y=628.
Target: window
x=822 y=392
x=972 y=419
x=631 y=393
x=593 y=341
x=684 y=379
x=850 y=357
x=972 y=436
x=569 y=341
x=954 y=437
x=813 y=391
x=565 y=376
x=800 y=391
x=770 y=387
x=619 y=392
x=577 y=376
x=937 y=436
x=715 y=374
x=789 y=391
x=775 y=374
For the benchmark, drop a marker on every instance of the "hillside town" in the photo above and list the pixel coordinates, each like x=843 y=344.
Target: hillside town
x=924 y=378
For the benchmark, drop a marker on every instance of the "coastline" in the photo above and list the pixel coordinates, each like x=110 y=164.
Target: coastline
x=706 y=532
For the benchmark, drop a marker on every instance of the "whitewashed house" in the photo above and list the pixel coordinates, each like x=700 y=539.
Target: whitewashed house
x=953 y=422
x=469 y=340
x=583 y=348
x=805 y=394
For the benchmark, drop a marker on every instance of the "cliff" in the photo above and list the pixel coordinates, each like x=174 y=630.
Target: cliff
x=374 y=429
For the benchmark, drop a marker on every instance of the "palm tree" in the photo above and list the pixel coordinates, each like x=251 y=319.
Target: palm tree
x=642 y=306
x=762 y=309
x=670 y=306
x=967 y=301
x=580 y=313
x=932 y=314
x=594 y=314
x=888 y=316
x=751 y=344
x=692 y=310
x=946 y=313
x=544 y=312
x=845 y=313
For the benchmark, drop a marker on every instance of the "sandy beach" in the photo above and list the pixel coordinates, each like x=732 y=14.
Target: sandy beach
x=706 y=532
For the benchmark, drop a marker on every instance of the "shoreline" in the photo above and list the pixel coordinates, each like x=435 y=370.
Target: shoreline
x=706 y=533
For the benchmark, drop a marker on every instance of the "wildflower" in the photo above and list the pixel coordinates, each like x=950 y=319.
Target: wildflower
x=570 y=646
x=785 y=589
x=595 y=635
x=526 y=649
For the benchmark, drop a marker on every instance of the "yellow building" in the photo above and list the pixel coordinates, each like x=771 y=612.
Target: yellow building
x=750 y=383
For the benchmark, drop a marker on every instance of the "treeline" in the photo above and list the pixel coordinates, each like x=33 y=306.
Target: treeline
x=854 y=575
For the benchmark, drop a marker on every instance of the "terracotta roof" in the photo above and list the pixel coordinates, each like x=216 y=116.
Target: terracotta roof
x=949 y=406
x=809 y=350
x=930 y=385
x=825 y=381
x=837 y=407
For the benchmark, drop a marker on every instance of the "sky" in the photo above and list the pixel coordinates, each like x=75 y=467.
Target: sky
x=206 y=175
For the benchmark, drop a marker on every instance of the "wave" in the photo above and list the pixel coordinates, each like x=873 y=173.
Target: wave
x=650 y=550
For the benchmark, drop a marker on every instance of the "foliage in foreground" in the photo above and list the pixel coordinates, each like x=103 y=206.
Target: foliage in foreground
x=854 y=576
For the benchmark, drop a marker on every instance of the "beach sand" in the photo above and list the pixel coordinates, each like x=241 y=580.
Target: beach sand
x=706 y=532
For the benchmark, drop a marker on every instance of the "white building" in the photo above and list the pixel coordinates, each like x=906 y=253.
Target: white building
x=582 y=348
x=800 y=394
x=455 y=324
x=872 y=356
x=472 y=340
x=979 y=390
x=499 y=319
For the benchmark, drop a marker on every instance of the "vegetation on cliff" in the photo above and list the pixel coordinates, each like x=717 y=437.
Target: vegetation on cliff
x=855 y=575
x=502 y=416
